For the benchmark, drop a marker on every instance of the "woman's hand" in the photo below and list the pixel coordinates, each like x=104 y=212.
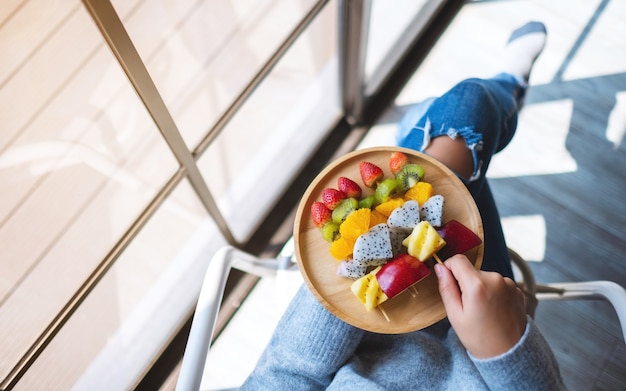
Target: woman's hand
x=486 y=310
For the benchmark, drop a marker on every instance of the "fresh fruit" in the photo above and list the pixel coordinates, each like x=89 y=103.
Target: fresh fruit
x=390 y=227
x=458 y=237
x=367 y=290
x=349 y=269
x=409 y=175
x=343 y=209
x=349 y=187
x=400 y=273
x=385 y=189
x=397 y=161
x=320 y=214
x=377 y=218
x=340 y=249
x=397 y=236
x=370 y=173
x=387 y=207
x=367 y=202
x=405 y=217
x=424 y=241
x=421 y=192
x=332 y=197
x=432 y=210
x=330 y=231
x=373 y=248
x=356 y=224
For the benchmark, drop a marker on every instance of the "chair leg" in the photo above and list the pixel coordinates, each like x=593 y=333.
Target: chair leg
x=527 y=285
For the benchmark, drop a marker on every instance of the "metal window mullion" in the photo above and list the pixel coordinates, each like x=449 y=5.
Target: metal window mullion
x=354 y=18
x=119 y=41
x=412 y=33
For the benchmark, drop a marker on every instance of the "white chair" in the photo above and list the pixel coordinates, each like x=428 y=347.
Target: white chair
x=212 y=290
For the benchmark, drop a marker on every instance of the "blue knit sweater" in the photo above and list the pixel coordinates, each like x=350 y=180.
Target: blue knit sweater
x=312 y=349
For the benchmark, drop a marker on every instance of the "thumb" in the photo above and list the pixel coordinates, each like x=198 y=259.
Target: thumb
x=448 y=288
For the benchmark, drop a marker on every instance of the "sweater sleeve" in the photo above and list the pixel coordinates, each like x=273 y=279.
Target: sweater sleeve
x=529 y=365
x=307 y=348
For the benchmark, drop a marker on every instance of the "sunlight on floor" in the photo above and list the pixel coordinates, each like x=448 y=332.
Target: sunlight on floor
x=526 y=235
x=616 y=127
x=549 y=153
x=379 y=135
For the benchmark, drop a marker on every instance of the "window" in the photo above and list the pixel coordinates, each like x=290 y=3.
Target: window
x=137 y=138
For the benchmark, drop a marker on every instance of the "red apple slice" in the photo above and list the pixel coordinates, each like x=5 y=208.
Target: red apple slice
x=458 y=237
x=400 y=273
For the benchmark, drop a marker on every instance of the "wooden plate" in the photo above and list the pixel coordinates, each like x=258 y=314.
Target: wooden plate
x=319 y=269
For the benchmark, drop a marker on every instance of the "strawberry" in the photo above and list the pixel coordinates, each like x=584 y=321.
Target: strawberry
x=332 y=197
x=397 y=161
x=350 y=188
x=320 y=214
x=370 y=173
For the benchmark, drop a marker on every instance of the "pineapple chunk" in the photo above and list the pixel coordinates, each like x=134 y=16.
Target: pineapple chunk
x=424 y=241
x=367 y=290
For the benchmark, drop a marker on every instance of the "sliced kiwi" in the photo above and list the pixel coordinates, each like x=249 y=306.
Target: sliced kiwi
x=367 y=202
x=409 y=175
x=343 y=209
x=385 y=189
x=330 y=231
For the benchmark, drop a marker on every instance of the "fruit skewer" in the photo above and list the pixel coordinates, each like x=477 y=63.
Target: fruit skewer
x=345 y=219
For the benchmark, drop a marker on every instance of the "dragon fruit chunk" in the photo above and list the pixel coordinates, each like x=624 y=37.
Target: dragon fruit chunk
x=349 y=269
x=432 y=210
x=405 y=217
x=373 y=248
x=397 y=236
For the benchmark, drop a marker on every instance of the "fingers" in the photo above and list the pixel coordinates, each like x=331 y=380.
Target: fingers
x=521 y=296
x=510 y=282
x=457 y=276
x=448 y=288
x=462 y=270
x=477 y=301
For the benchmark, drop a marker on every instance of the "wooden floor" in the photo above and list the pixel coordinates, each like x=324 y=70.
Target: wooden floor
x=560 y=184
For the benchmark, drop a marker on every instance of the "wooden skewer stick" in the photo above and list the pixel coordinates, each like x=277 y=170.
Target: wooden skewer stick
x=437 y=258
x=414 y=291
x=382 y=311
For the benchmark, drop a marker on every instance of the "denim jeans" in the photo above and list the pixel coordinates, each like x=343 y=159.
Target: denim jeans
x=484 y=113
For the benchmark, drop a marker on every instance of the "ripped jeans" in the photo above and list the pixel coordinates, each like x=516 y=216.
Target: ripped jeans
x=484 y=113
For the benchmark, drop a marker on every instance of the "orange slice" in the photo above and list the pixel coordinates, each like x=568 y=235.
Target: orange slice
x=421 y=192
x=388 y=206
